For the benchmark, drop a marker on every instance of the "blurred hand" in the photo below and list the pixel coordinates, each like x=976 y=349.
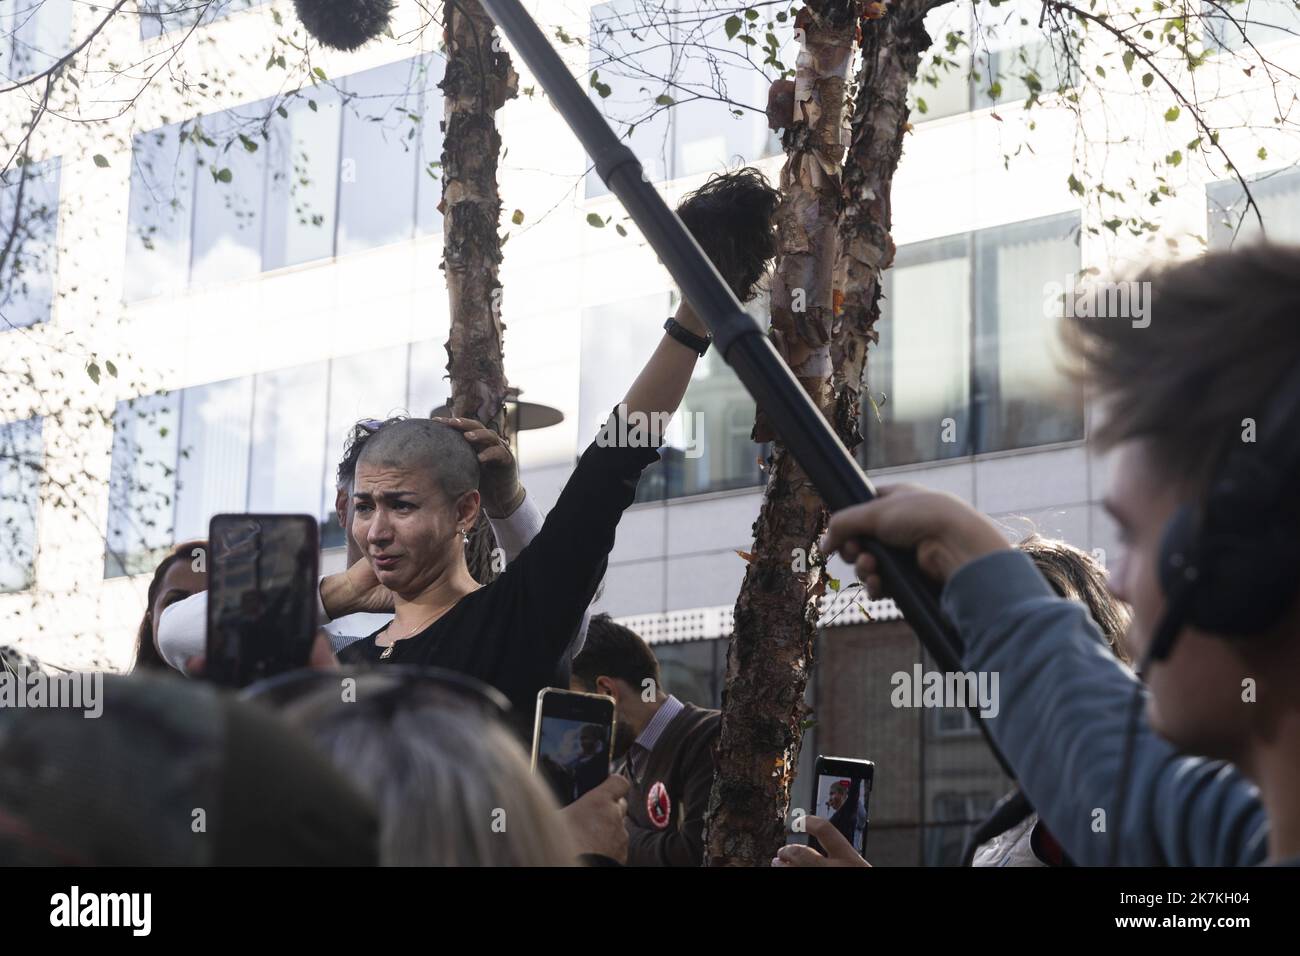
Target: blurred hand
x=595 y=819
x=499 y=479
x=839 y=851
x=943 y=531
x=322 y=658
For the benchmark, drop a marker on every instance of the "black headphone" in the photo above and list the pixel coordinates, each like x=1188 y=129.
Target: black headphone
x=1227 y=564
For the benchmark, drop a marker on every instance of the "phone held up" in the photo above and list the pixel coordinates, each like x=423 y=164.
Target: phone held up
x=842 y=796
x=262 y=580
x=573 y=736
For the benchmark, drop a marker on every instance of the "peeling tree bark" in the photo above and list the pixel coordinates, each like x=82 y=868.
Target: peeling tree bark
x=892 y=47
x=770 y=655
x=479 y=79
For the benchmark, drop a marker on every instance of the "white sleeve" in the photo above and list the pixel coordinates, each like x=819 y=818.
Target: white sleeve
x=183 y=630
x=515 y=531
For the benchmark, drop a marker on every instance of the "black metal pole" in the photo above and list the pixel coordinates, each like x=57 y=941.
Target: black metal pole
x=745 y=348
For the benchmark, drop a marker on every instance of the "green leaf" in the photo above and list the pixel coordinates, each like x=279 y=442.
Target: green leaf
x=518 y=217
x=1146 y=79
x=620 y=230
x=920 y=106
x=595 y=221
x=1129 y=57
x=320 y=73
x=312 y=105
x=748 y=40
x=1171 y=114
x=101 y=161
x=663 y=99
x=1175 y=158
x=284 y=113
x=249 y=145
x=1075 y=185
x=112 y=369
x=223 y=175
x=732 y=26
x=751 y=15
x=93 y=371
x=833 y=584
x=1263 y=153
x=1101 y=71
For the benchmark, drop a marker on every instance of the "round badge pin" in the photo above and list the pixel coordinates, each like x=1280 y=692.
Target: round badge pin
x=658 y=807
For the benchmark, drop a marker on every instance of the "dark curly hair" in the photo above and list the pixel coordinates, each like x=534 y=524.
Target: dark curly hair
x=732 y=218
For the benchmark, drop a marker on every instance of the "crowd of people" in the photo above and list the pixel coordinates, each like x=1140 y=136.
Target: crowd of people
x=1150 y=715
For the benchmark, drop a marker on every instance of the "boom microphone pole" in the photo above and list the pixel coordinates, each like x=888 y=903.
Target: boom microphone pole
x=736 y=334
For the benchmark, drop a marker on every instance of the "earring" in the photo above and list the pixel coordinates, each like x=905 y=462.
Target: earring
x=464 y=533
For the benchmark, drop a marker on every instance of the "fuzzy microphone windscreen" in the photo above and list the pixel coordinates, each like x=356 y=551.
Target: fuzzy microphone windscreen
x=344 y=24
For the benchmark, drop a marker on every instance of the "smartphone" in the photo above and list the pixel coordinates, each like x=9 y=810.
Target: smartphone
x=262 y=580
x=843 y=795
x=573 y=735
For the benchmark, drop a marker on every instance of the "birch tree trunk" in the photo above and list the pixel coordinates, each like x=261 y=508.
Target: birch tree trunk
x=770 y=655
x=479 y=79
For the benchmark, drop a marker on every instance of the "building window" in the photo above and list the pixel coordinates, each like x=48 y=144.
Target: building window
x=707 y=445
x=693 y=671
x=302 y=182
x=1277 y=195
x=381 y=114
x=266 y=186
x=21 y=466
x=1011 y=61
x=229 y=183
x=693 y=98
x=27 y=281
x=34 y=35
x=163 y=16
x=966 y=362
x=142 y=483
x=956 y=815
x=1238 y=24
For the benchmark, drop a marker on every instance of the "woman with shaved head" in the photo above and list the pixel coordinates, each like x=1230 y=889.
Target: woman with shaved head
x=416 y=497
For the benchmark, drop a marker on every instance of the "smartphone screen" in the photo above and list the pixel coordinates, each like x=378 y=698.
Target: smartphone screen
x=842 y=797
x=261 y=595
x=572 y=739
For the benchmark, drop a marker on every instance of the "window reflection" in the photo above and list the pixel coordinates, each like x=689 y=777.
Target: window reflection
x=229 y=185
x=381 y=114
x=142 y=485
x=162 y=198
x=286 y=447
x=21 y=465
x=27 y=282
x=1277 y=194
x=34 y=35
x=212 y=475
x=302 y=181
x=163 y=16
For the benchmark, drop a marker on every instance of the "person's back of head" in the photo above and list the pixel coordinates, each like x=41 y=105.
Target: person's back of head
x=614 y=651
x=1076 y=576
x=151 y=771
x=452 y=784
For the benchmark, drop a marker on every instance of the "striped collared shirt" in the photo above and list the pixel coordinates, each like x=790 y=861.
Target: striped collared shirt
x=645 y=742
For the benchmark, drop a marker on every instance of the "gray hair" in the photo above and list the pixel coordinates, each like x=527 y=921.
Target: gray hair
x=452 y=785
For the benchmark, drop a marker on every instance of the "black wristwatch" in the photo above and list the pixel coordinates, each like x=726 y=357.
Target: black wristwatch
x=696 y=343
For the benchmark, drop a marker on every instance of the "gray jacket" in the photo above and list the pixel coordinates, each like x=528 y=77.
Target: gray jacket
x=1062 y=722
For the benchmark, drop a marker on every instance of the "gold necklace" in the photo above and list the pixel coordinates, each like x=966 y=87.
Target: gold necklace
x=388 y=651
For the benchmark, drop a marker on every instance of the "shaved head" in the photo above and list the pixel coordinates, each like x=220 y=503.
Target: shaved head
x=417 y=444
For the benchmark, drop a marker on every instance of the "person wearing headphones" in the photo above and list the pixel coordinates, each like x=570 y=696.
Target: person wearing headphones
x=1203 y=417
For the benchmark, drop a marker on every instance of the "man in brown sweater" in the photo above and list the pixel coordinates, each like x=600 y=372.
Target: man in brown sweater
x=664 y=747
